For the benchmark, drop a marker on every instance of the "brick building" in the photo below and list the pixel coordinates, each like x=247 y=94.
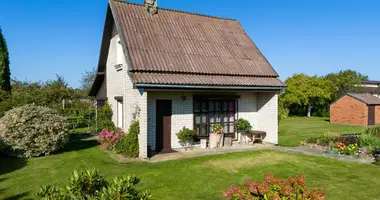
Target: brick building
x=356 y=109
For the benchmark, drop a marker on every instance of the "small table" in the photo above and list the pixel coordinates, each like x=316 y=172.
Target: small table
x=254 y=135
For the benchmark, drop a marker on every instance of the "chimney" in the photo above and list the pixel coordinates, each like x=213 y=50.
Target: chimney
x=151 y=6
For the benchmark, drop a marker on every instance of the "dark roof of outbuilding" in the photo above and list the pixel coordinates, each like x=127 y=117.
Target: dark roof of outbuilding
x=174 y=42
x=366 y=98
x=371 y=82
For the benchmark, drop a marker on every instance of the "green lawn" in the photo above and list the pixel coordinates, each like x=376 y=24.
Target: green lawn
x=202 y=177
x=296 y=129
x=195 y=178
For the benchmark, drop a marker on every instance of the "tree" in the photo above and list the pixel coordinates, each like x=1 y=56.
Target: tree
x=87 y=79
x=5 y=74
x=304 y=90
x=345 y=81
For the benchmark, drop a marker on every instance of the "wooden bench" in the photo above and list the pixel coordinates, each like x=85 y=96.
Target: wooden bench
x=254 y=135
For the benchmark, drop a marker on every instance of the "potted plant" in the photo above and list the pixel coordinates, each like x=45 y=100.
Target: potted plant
x=242 y=126
x=216 y=136
x=186 y=137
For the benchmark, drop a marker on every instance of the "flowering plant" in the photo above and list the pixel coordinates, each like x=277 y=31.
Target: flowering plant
x=348 y=150
x=217 y=129
x=274 y=188
x=109 y=139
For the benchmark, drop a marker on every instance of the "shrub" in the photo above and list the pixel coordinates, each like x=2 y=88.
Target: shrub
x=273 y=188
x=370 y=141
x=347 y=139
x=186 y=135
x=103 y=120
x=217 y=129
x=91 y=185
x=132 y=141
x=374 y=131
x=375 y=152
x=283 y=113
x=242 y=125
x=31 y=131
x=321 y=140
x=377 y=161
x=109 y=140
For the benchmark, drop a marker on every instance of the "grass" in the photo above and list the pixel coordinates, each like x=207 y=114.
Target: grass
x=296 y=129
x=202 y=177
x=82 y=130
x=194 y=178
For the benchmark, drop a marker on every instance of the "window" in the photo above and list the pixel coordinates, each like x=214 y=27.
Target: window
x=210 y=112
x=120 y=114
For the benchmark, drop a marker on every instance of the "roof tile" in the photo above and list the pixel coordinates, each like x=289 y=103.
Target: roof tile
x=174 y=41
x=207 y=80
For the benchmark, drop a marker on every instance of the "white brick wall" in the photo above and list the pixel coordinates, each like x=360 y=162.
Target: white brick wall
x=260 y=109
x=119 y=84
x=247 y=108
x=268 y=118
x=115 y=80
x=182 y=115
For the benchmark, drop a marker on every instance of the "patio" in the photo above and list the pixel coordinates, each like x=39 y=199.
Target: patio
x=196 y=151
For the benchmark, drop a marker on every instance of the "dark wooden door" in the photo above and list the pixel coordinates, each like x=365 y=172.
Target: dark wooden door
x=371 y=115
x=163 y=124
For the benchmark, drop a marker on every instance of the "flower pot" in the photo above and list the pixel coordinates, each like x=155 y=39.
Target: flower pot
x=215 y=140
x=203 y=143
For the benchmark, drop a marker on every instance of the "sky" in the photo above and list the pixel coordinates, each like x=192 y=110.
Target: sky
x=316 y=37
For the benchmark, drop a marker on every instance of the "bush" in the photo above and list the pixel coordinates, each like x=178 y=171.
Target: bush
x=377 y=161
x=370 y=141
x=347 y=139
x=31 y=131
x=242 y=125
x=186 y=135
x=132 y=140
x=374 y=131
x=109 y=140
x=91 y=185
x=283 y=113
x=321 y=140
x=217 y=129
x=103 y=120
x=273 y=188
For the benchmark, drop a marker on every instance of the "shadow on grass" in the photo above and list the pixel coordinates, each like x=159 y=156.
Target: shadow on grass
x=18 y=196
x=10 y=164
x=326 y=120
x=80 y=142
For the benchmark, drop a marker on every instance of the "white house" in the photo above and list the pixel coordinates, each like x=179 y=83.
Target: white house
x=372 y=87
x=183 y=69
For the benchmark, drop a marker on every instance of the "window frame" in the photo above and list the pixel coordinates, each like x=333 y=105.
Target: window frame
x=215 y=115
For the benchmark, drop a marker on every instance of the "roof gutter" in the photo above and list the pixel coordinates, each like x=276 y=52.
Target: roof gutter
x=141 y=85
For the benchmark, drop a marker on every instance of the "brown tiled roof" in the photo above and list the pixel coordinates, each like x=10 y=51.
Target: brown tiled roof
x=366 y=98
x=209 y=80
x=180 y=48
x=175 y=41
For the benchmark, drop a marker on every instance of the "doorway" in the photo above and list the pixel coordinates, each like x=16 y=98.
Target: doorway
x=371 y=115
x=163 y=124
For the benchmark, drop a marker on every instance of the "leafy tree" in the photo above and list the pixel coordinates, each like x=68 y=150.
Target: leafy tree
x=304 y=90
x=49 y=94
x=345 y=81
x=5 y=73
x=87 y=79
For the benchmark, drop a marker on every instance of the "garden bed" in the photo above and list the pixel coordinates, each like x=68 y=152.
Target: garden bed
x=364 y=146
